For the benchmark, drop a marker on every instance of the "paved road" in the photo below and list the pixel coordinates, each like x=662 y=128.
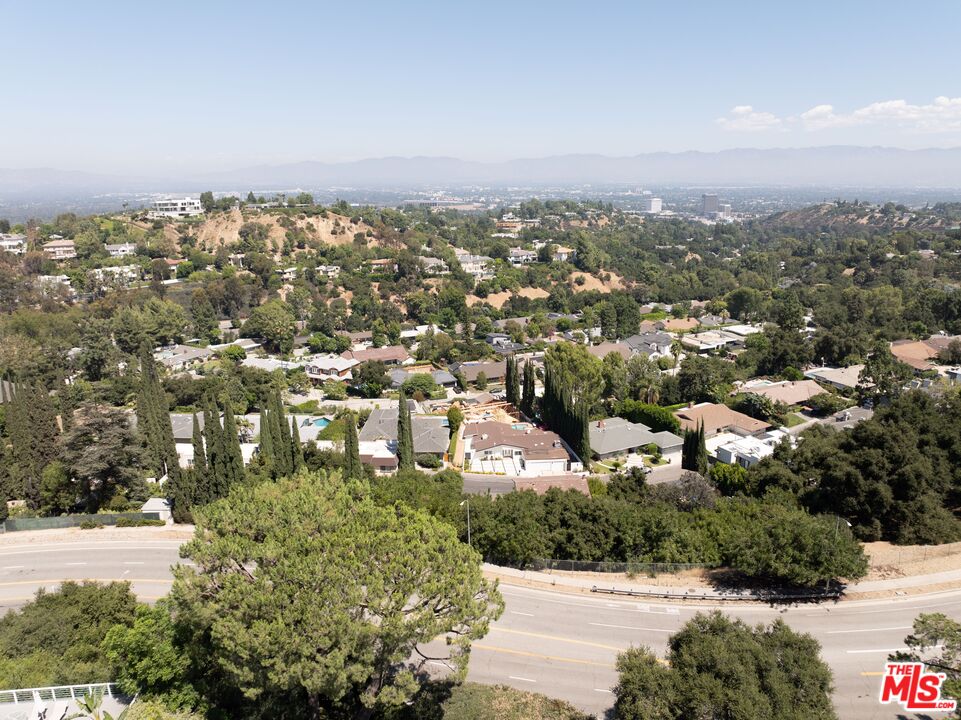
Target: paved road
x=561 y=645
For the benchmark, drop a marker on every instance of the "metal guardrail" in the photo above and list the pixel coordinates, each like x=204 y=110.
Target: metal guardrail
x=833 y=595
x=56 y=692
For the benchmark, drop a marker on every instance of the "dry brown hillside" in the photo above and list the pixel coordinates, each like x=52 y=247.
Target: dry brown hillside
x=223 y=228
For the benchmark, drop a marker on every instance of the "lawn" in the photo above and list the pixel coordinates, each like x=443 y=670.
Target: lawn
x=794 y=419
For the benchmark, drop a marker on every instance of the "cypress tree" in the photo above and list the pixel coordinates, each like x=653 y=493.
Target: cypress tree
x=234 y=456
x=527 y=398
x=217 y=472
x=513 y=382
x=296 y=449
x=282 y=434
x=153 y=419
x=585 y=433
x=405 y=438
x=352 y=465
x=702 y=456
x=266 y=439
x=31 y=422
x=200 y=454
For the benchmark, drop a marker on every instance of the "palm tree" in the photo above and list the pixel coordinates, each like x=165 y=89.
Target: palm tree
x=90 y=708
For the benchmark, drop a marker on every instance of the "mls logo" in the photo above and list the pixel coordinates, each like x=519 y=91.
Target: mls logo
x=909 y=685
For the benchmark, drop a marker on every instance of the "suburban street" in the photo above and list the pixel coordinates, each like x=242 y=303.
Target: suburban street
x=560 y=644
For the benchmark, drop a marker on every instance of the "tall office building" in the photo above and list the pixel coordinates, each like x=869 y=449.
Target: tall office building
x=709 y=205
x=652 y=205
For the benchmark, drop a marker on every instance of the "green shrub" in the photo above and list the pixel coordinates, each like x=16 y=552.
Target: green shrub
x=307 y=408
x=139 y=522
x=90 y=525
x=428 y=461
x=657 y=418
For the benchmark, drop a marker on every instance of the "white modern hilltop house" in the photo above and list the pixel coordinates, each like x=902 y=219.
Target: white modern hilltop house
x=175 y=208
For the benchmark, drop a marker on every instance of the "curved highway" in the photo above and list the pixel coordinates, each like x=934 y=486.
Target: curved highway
x=559 y=644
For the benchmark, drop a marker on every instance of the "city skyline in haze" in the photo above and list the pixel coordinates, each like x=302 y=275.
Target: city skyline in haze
x=185 y=89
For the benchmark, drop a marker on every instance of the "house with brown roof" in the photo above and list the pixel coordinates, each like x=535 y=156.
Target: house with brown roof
x=678 y=325
x=916 y=353
x=716 y=418
x=390 y=355
x=495 y=371
x=601 y=350
x=920 y=354
x=789 y=392
x=519 y=449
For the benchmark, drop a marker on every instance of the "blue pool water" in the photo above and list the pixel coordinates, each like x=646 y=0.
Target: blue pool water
x=321 y=422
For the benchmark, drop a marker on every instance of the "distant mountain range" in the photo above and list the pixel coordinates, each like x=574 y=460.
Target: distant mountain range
x=819 y=166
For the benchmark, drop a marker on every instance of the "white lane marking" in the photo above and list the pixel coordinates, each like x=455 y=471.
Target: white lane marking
x=12 y=567
x=632 y=627
x=514 y=677
x=133 y=562
x=438 y=663
x=80 y=563
x=613 y=604
x=673 y=611
x=125 y=572
x=845 y=632
x=106 y=545
x=603 y=690
x=518 y=612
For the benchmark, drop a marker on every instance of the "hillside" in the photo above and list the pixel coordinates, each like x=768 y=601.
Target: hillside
x=853 y=216
x=224 y=228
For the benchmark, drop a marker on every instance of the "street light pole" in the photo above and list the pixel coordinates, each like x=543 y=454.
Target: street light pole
x=465 y=502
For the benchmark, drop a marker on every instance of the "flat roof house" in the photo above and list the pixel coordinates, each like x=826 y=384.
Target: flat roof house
x=841 y=378
x=175 y=208
x=178 y=358
x=617 y=436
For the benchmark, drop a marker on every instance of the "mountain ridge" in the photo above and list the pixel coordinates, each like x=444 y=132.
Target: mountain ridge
x=839 y=165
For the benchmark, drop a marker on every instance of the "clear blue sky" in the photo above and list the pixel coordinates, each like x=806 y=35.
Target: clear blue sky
x=174 y=87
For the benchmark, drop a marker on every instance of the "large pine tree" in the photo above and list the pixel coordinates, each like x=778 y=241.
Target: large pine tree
x=405 y=437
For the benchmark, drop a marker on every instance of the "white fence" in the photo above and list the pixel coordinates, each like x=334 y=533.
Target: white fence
x=57 y=692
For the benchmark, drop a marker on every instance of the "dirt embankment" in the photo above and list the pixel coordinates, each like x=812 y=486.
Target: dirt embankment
x=224 y=228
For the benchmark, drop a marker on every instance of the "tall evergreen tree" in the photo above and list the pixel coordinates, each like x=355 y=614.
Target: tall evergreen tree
x=694 y=451
x=352 y=466
x=527 y=397
x=296 y=449
x=405 y=437
x=234 y=456
x=513 y=382
x=31 y=422
x=217 y=462
x=200 y=454
x=153 y=419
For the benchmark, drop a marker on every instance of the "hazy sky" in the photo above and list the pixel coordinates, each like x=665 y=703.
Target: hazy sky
x=172 y=87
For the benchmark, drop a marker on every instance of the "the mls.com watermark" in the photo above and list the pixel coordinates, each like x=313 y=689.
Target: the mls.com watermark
x=909 y=685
